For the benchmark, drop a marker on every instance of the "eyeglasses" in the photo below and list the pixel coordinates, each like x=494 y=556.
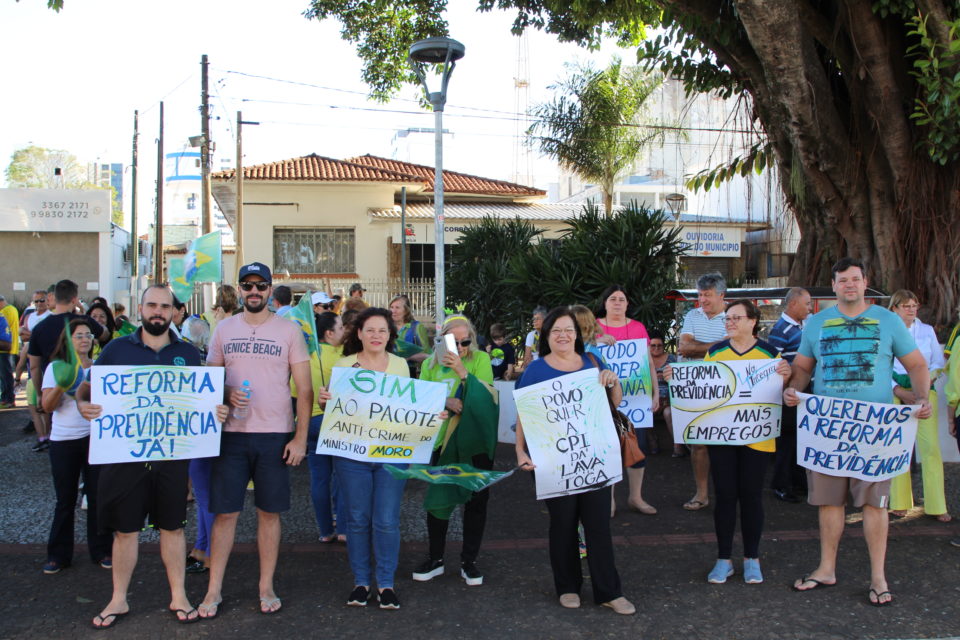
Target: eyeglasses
x=734 y=319
x=910 y=306
x=570 y=332
x=82 y=336
x=656 y=345
x=261 y=286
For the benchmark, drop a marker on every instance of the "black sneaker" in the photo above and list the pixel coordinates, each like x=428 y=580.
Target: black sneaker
x=470 y=574
x=29 y=428
x=955 y=542
x=358 y=597
x=428 y=570
x=388 y=599
x=41 y=446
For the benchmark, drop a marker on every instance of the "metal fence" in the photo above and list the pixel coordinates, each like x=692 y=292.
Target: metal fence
x=379 y=292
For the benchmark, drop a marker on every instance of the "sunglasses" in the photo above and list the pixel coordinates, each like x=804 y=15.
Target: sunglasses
x=249 y=286
x=465 y=343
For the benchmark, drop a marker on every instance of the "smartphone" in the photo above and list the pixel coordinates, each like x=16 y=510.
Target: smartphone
x=450 y=343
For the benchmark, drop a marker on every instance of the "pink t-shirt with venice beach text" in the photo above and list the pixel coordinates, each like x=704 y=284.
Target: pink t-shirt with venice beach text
x=263 y=355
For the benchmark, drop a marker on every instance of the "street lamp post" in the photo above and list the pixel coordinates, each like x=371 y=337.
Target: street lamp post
x=437 y=51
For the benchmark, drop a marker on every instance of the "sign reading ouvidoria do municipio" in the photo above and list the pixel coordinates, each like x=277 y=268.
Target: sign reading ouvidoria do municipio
x=70 y=210
x=153 y=413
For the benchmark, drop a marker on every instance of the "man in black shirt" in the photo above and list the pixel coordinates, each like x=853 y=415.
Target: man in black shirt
x=43 y=340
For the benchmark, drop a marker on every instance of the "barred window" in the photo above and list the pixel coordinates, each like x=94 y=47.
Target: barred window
x=313 y=250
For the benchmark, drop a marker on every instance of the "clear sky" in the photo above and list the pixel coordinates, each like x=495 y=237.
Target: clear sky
x=73 y=80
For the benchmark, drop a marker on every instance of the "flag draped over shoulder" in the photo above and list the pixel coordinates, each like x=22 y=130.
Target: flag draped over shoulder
x=202 y=262
x=405 y=349
x=67 y=373
x=460 y=475
x=176 y=272
x=471 y=433
x=302 y=314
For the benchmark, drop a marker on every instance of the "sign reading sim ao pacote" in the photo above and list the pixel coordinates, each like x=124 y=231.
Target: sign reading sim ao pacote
x=728 y=402
x=866 y=440
x=155 y=413
x=570 y=434
x=380 y=417
x=630 y=360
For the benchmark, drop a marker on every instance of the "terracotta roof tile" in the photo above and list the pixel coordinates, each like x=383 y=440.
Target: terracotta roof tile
x=452 y=181
x=318 y=168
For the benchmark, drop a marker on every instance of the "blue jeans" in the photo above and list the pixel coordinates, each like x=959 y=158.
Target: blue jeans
x=323 y=484
x=200 y=477
x=372 y=498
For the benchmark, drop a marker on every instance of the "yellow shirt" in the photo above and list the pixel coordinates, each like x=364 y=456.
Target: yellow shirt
x=760 y=351
x=319 y=372
x=397 y=366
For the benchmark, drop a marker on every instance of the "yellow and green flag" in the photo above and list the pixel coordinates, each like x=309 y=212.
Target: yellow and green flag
x=302 y=314
x=176 y=271
x=202 y=262
x=67 y=373
x=464 y=476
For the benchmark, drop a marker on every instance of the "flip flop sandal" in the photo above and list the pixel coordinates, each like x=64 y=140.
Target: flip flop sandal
x=117 y=617
x=878 y=602
x=816 y=584
x=215 y=607
x=268 y=603
x=186 y=619
x=695 y=505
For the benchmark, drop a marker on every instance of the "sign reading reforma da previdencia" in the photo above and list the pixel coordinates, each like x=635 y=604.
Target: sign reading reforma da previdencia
x=866 y=440
x=729 y=402
x=630 y=360
x=155 y=413
x=380 y=417
x=570 y=434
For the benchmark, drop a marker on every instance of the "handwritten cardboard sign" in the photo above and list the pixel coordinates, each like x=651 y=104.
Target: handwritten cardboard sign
x=867 y=440
x=630 y=360
x=155 y=413
x=731 y=402
x=570 y=434
x=380 y=417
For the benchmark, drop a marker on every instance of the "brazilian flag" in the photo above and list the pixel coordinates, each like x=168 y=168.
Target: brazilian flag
x=471 y=433
x=302 y=314
x=405 y=349
x=459 y=475
x=67 y=373
x=202 y=262
x=177 y=274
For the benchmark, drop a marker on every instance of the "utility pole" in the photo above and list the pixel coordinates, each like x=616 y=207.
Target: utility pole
x=134 y=241
x=206 y=225
x=238 y=230
x=158 y=223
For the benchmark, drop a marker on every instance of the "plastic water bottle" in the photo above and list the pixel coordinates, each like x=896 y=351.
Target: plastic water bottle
x=240 y=413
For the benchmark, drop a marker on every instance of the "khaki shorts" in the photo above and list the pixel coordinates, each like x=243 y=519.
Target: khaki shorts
x=832 y=491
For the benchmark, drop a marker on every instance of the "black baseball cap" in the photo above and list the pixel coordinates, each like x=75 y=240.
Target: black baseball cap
x=255 y=269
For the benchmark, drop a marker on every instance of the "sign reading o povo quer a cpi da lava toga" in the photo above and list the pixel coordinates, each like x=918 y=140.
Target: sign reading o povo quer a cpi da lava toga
x=153 y=413
x=380 y=417
x=733 y=402
x=70 y=210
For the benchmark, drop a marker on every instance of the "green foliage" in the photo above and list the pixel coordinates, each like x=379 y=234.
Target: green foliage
x=503 y=274
x=755 y=159
x=591 y=125
x=33 y=168
x=936 y=66
x=383 y=31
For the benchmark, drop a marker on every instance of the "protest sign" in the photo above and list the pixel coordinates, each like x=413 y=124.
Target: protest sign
x=867 y=440
x=570 y=434
x=155 y=413
x=507 y=422
x=630 y=360
x=730 y=402
x=380 y=417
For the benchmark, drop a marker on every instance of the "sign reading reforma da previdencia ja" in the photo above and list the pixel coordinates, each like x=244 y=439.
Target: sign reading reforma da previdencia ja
x=380 y=417
x=729 y=402
x=155 y=413
x=630 y=360
x=866 y=440
x=570 y=434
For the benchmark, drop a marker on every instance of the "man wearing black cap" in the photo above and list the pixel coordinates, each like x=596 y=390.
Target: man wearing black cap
x=259 y=351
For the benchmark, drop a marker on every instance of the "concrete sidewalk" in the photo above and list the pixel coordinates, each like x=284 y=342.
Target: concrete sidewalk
x=663 y=561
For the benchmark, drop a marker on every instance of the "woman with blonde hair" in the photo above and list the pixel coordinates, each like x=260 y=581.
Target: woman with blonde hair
x=906 y=304
x=460 y=369
x=226 y=304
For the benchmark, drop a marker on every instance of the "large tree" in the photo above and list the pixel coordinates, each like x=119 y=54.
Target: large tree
x=591 y=125
x=858 y=99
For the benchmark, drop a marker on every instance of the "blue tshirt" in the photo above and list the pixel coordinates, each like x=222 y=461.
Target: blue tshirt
x=539 y=371
x=855 y=355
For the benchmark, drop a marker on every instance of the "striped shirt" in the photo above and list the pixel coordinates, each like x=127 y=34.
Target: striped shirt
x=702 y=328
x=785 y=335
